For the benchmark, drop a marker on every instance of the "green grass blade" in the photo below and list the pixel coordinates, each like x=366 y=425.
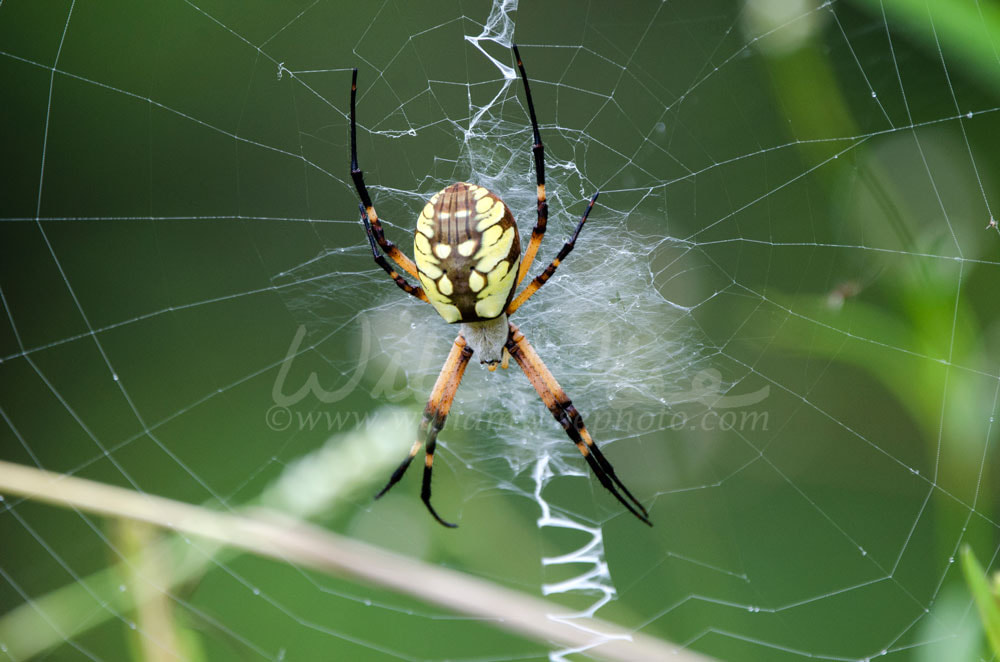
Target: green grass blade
x=985 y=596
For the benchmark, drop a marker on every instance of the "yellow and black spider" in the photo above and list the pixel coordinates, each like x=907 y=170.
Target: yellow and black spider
x=468 y=262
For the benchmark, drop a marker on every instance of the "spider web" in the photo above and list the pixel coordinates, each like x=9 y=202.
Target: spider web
x=780 y=321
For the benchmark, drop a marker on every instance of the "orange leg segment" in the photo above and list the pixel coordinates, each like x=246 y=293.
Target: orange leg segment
x=433 y=420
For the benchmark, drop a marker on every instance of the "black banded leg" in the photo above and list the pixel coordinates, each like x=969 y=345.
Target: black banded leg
x=425 y=489
x=576 y=422
x=543 y=277
x=598 y=464
x=400 y=470
x=380 y=260
x=601 y=467
x=563 y=411
x=435 y=413
x=437 y=423
x=357 y=176
x=538 y=152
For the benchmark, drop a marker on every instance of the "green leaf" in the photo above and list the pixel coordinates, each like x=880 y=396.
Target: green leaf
x=986 y=599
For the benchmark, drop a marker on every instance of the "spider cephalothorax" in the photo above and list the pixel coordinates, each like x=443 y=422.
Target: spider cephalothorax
x=468 y=261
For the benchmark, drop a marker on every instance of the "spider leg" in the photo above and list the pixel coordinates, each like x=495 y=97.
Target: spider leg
x=380 y=260
x=387 y=246
x=433 y=420
x=538 y=152
x=401 y=469
x=563 y=410
x=438 y=422
x=543 y=277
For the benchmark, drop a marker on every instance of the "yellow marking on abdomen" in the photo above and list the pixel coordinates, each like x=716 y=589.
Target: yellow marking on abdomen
x=483 y=205
x=494 y=296
x=466 y=248
x=441 y=303
x=425 y=222
x=476 y=281
x=490 y=255
x=442 y=250
x=428 y=269
x=426 y=263
x=495 y=277
x=445 y=285
x=491 y=216
x=490 y=237
x=423 y=245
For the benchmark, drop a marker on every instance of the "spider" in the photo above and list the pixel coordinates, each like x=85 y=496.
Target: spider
x=468 y=263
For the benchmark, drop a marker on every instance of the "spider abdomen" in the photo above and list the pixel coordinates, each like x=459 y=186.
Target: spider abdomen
x=467 y=253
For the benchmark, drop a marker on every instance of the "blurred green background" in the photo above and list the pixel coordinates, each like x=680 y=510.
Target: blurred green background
x=795 y=203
